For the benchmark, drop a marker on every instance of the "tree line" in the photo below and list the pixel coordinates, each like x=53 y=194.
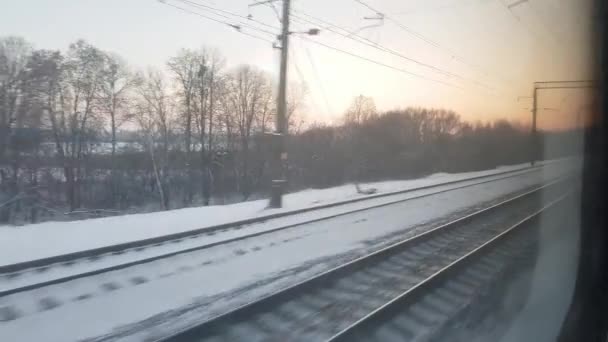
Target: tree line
x=83 y=134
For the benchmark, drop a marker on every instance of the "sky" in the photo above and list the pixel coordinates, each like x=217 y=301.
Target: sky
x=475 y=57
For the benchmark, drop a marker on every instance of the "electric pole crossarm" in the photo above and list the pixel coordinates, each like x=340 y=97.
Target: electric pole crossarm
x=554 y=82
x=568 y=87
x=568 y=84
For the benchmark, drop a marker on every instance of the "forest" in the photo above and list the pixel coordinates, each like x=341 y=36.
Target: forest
x=85 y=134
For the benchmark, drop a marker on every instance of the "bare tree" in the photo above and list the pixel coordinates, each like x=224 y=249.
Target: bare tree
x=361 y=109
x=248 y=99
x=210 y=77
x=154 y=116
x=117 y=80
x=54 y=106
x=296 y=103
x=14 y=54
x=227 y=134
x=186 y=67
x=15 y=107
x=70 y=119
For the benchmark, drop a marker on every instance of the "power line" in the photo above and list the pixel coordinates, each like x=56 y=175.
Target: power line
x=513 y=4
x=423 y=38
x=195 y=13
x=379 y=63
x=301 y=76
x=220 y=13
x=540 y=17
x=530 y=31
x=317 y=77
x=194 y=3
x=257 y=37
x=437 y=8
x=509 y=9
x=236 y=27
x=369 y=7
x=354 y=36
x=276 y=12
x=370 y=43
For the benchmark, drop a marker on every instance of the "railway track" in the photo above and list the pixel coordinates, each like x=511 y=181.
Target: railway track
x=423 y=312
x=337 y=303
x=112 y=258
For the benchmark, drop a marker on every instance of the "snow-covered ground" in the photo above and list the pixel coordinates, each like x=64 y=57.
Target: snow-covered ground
x=203 y=241
x=178 y=291
x=35 y=241
x=553 y=280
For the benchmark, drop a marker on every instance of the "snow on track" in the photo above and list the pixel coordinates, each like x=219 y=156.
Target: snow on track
x=191 y=287
x=84 y=265
x=37 y=241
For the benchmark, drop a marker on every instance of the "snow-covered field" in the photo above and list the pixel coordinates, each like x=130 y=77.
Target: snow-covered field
x=184 y=289
x=35 y=241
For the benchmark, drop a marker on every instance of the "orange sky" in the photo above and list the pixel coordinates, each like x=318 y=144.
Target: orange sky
x=493 y=54
x=499 y=55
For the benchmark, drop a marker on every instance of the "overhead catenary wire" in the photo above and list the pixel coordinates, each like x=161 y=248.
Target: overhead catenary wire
x=518 y=19
x=436 y=8
x=537 y=36
x=257 y=37
x=237 y=27
x=219 y=21
x=317 y=77
x=358 y=38
x=195 y=3
x=301 y=75
x=225 y=14
x=370 y=7
x=352 y=35
x=276 y=12
x=352 y=54
x=541 y=18
x=164 y=2
x=424 y=38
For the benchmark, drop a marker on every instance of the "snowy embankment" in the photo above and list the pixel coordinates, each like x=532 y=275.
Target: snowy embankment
x=186 y=289
x=35 y=241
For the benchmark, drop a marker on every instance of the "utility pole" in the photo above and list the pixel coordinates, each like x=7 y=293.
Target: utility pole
x=279 y=136
x=534 y=133
x=279 y=181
